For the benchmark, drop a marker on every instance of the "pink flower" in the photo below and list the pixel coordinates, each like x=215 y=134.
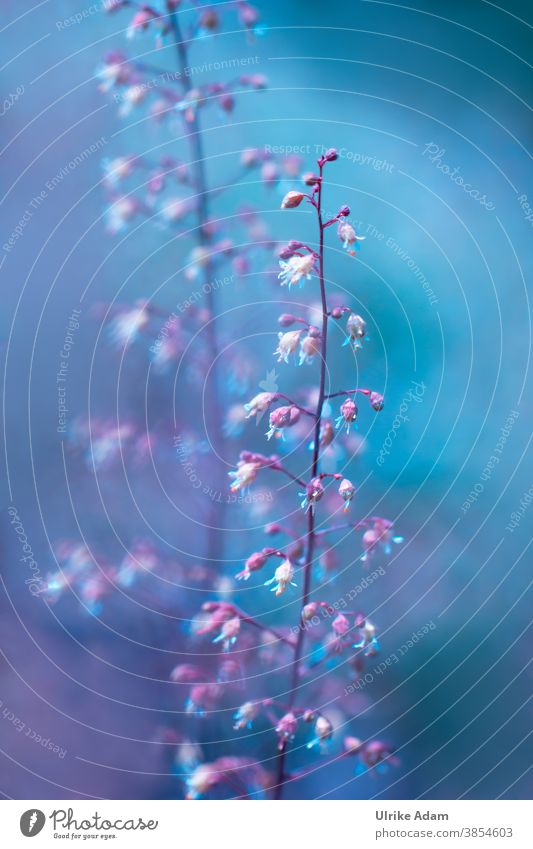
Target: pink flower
x=279 y=419
x=313 y=494
x=348 y=414
x=185 y=673
x=323 y=732
x=379 y=535
x=376 y=401
x=245 y=715
x=292 y=199
x=309 y=348
x=367 y=637
x=282 y=578
x=202 y=698
x=245 y=474
x=296 y=269
x=348 y=236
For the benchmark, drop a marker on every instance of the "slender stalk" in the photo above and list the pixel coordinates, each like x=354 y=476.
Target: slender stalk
x=310 y=538
x=217 y=508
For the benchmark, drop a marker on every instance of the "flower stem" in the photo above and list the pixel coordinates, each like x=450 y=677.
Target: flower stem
x=214 y=523
x=310 y=538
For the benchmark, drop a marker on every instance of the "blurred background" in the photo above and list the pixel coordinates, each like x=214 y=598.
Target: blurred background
x=428 y=108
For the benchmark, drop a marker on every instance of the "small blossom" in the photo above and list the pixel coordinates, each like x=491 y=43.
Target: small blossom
x=352 y=745
x=309 y=348
x=245 y=715
x=255 y=562
x=297 y=268
x=323 y=732
x=348 y=416
x=309 y=611
x=244 y=475
x=281 y=418
x=203 y=697
x=185 y=673
x=376 y=401
x=313 y=494
x=356 y=330
x=121 y=212
x=229 y=633
x=340 y=625
x=286 y=729
x=292 y=199
x=346 y=492
x=201 y=780
x=331 y=155
x=367 y=638
x=348 y=237
x=282 y=578
x=376 y=754
x=127 y=326
x=287 y=344
x=380 y=535
x=259 y=403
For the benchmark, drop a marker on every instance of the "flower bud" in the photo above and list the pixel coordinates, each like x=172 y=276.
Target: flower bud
x=331 y=155
x=344 y=210
x=286 y=319
x=311 y=179
x=376 y=401
x=336 y=312
x=292 y=199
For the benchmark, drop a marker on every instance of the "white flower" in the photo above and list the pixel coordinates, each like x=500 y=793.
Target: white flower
x=348 y=236
x=259 y=404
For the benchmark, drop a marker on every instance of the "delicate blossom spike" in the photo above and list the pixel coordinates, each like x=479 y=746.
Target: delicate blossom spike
x=292 y=199
x=323 y=732
x=296 y=269
x=348 y=414
x=282 y=578
x=346 y=492
x=313 y=494
x=349 y=237
x=287 y=344
x=281 y=418
x=259 y=404
x=229 y=633
x=356 y=329
x=244 y=717
x=286 y=729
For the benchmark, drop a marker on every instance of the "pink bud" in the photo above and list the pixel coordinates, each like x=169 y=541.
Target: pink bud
x=286 y=319
x=344 y=210
x=331 y=155
x=292 y=199
x=336 y=312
